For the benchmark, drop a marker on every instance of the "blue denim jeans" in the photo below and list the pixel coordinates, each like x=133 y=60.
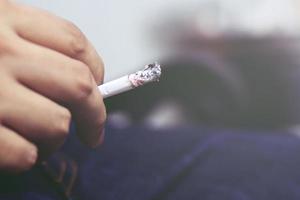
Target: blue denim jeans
x=175 y=164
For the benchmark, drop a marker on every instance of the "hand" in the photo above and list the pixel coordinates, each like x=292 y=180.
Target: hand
x=49 y=73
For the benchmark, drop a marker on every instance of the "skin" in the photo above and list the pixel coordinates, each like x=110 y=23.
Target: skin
x=49 y=74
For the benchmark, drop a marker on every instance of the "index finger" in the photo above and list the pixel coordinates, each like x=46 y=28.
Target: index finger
x=51 y=31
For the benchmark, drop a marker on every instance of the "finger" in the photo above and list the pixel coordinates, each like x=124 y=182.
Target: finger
x=64 y=80
x=16 y=153
x=37 y=26
x=89 y=120
x=35 y=117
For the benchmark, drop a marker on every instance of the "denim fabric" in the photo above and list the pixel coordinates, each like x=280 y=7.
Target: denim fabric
x=175 y=164
x=32 y=185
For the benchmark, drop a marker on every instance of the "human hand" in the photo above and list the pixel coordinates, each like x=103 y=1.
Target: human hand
x=49 y=73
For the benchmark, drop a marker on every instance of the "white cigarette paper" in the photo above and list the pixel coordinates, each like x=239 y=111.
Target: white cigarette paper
x=149 y=74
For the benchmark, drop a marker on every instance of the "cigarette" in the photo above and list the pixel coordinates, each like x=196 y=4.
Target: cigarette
x=150 y=73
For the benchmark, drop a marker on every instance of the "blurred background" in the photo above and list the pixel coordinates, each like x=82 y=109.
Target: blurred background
x=131 y=33
x=226 y=63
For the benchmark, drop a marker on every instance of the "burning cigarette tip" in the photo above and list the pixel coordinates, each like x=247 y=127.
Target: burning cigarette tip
x=150 y=73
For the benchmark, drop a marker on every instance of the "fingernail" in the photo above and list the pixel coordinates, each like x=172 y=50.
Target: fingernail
x=99 y=140
x=32 y=156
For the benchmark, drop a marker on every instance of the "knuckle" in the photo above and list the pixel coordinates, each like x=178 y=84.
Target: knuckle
x=77 y=41
x=7 y=46
x=62 y=124
x=84 y=83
